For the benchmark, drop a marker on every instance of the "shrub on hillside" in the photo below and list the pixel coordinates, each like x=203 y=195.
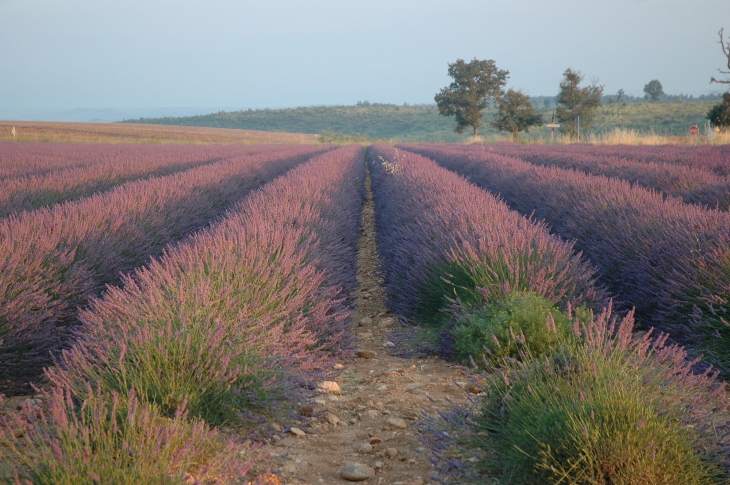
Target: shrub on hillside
x=113 y=440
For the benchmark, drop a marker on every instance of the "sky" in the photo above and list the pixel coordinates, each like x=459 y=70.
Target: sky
x=180 y=56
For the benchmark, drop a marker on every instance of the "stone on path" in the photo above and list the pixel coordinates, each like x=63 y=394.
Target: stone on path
x=366 y=321
x=386 y=322
x=297 y=432
x=357 y=472
x=397 y=423
x=365 y=354
x=331 y=386
x=365 y=448
x=474 y=389
x=332 y=419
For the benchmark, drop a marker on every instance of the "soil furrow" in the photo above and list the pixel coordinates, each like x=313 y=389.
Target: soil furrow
x=372 y=420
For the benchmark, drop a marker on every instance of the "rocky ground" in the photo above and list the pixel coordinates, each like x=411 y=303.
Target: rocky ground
x=363 y=427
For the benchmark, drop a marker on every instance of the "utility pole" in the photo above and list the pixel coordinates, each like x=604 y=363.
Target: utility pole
x=552 y=125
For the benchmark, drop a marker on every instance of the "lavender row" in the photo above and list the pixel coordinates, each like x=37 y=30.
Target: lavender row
x=220 y=320
x=37 y=159
x=668 y=259
x=712 y=158
x=695 y=185
x=53 y=260
x=18 y=194
x=433 y=225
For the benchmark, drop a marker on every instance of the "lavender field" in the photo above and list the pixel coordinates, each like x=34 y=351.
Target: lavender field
x=167 y=302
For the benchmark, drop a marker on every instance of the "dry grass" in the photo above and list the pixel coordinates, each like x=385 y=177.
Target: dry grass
x=141 y=133
x=620 y=136
x=617 y=136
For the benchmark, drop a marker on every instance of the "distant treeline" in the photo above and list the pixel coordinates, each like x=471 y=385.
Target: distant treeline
x=423 y=123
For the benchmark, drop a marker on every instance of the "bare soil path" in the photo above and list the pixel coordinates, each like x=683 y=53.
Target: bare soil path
x=372 y=420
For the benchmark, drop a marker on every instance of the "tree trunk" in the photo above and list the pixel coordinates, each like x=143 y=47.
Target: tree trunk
x=476 y=133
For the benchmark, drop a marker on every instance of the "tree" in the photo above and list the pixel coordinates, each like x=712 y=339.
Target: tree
x=726 y=52
x=619 y=96
x=653 y=90
x=574 y=101
x=515 y=113
x=546 y=102
x=474 y=85
x=719 y=115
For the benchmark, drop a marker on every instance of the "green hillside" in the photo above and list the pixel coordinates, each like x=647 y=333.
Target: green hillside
x=423 y=123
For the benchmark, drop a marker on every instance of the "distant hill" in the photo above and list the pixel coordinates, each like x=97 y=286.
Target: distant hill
x=423 y=123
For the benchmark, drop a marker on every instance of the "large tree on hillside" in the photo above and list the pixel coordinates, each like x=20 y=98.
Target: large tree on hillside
x=574 y=101
x=516 y=113
x=653 y=90
x=475 y=83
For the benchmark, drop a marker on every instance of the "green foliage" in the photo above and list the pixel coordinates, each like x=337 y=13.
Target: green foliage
x=474 y=85
x=596 y=413
x=653 y=90
x=719 y=115
x=329 y=136
x=423 y=122
x=450 y=282
x=108 y=440
x=515 y=113
x=574 y=101
x=522 y=323
x=669 y=117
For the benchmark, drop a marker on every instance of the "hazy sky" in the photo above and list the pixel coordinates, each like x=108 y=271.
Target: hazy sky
x=65 y=54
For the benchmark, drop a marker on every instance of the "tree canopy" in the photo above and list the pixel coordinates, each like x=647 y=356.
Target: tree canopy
x=653 y=90
x=515 y=113
x=574 y=101
x=475 y=83
x=719 y=115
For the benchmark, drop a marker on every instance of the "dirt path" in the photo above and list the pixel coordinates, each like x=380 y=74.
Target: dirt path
x=372 y=420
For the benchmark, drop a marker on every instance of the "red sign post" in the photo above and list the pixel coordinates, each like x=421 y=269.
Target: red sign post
x=694 y=130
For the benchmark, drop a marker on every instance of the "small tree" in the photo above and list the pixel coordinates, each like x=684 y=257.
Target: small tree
x=574 y=101
x=719 y=115
x=619 y=96
x=515 y=113
x=653 y=90
x=474 y=85
x=726 y=52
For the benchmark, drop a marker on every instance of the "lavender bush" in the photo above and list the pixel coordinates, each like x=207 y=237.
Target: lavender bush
x=53 y=260
x=505 y=328
x=442 y=240
x=223 y=320
x=604 y=407
x=112 y=440
x=668 y=259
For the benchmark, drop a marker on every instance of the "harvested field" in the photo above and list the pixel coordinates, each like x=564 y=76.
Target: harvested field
x=134 y=133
